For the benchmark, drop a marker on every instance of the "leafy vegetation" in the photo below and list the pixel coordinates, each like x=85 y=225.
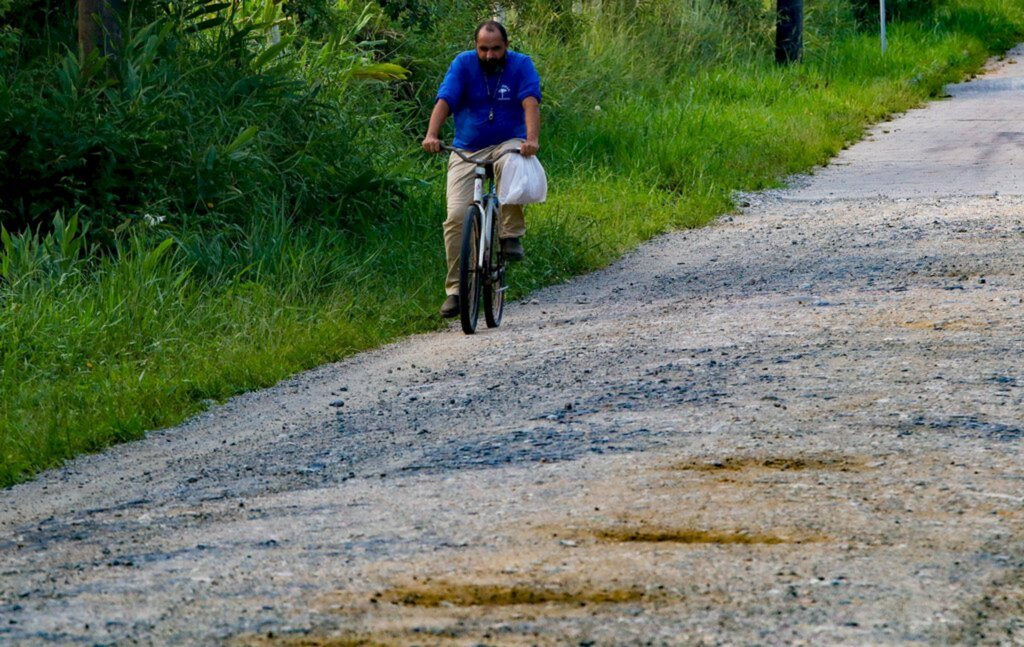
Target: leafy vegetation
x=208 y=114
x=239 y=193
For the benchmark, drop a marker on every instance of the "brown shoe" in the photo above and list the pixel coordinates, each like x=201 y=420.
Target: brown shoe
x=451 y=307
x=512 y=248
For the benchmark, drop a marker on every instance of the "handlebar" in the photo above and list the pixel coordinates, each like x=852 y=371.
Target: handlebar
x=479 y=162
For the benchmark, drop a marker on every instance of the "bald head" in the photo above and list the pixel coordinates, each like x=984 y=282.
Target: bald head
x=491 y=26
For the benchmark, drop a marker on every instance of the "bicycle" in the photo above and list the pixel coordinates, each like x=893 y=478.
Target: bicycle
x=481 y=261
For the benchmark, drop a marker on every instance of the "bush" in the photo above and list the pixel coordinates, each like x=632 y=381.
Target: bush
x=866 y=12
x=203 y=118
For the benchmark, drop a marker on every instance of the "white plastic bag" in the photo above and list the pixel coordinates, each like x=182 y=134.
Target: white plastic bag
x=522 y=181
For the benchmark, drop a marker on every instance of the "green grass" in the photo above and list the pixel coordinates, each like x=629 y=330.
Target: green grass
x=644 y=132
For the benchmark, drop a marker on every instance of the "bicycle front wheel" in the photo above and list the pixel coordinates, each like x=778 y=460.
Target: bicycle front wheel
x=494 y=284
x=470 y=276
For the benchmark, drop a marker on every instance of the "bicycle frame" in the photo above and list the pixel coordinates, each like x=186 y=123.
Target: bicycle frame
x=486 y=202
x=481 y=269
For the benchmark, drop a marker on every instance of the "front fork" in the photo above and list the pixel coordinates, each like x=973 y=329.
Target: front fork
x=486 y=214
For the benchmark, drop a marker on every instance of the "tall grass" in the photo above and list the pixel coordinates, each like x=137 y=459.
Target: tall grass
x=655 y=113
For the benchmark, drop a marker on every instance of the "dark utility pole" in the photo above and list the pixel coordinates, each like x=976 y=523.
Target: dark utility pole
x=789 y=31
x=98 y=26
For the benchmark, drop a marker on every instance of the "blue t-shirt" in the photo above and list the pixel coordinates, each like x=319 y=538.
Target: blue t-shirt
x=472 y=95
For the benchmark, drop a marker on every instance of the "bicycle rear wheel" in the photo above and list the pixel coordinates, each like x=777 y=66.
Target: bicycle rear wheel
x=494 y=285
x=470 y=275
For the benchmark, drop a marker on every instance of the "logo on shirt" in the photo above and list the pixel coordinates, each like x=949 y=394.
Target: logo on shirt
x=504 y=93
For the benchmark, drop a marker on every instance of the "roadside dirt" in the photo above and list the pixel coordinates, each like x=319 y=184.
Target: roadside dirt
x=802 y=425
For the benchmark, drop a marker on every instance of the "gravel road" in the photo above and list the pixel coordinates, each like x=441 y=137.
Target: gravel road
x=803 y=424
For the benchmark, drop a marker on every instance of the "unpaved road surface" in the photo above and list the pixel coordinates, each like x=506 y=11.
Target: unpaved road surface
x=804 y=424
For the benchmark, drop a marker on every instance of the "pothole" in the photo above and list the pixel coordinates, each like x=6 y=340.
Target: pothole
x=453 y=594
x=355 y=640
x=446 y=612
x=419 y=634
x=659 y=534
x=822 y=462
x=945 y=324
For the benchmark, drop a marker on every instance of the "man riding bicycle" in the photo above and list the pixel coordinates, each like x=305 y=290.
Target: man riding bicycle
x=494 y=95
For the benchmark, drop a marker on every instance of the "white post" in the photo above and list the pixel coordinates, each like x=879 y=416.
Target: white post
x=881 y=14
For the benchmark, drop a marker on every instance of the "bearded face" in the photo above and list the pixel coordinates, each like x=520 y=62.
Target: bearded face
x=490 y=50
x=492 y=65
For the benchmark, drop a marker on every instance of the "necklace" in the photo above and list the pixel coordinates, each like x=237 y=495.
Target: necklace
x=491 y=94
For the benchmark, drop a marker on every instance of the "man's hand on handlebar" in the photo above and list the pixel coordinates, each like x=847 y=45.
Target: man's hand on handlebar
x=432 y=144
x=528 y=148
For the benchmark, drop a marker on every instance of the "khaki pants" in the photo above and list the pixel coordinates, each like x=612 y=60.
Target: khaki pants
x=511 y=224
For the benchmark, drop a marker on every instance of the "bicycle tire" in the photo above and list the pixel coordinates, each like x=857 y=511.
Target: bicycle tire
x=469 y=273
x=494 y=285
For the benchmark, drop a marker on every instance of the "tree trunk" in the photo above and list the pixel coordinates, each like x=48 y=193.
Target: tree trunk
x=789 y=31
x=98 y=26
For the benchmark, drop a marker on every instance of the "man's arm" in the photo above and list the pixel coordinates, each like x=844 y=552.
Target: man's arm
x=432 y=142
x=532 y=144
